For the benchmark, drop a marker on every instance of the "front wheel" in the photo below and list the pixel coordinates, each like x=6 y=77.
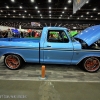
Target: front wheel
x=13 y=61
x=91 y=64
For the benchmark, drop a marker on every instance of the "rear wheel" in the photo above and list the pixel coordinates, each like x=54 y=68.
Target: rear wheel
x=13 y=61
x=91 y=64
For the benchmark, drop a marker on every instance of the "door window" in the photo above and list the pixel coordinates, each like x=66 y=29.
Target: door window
x=57 y=36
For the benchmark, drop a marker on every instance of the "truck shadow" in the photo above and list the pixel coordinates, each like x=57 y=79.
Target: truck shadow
x=56 y=67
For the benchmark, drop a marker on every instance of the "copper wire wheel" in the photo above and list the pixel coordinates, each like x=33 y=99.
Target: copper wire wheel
x=92 y=64
x=12 y=61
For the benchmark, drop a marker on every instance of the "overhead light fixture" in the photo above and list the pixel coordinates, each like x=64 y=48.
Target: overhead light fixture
x=23 y=16
x=69 y=1
x=25 y=11
x=38 y=11
x=20 y=7
x=12 y=0
x=87 y=1
x=49 y=7
x=32 y=0
x=36 y=7
x=49 y=11
x=65 y=8
x=91 y=16
x=14 y=11
x=7 y=7
x=40 y=14
x=49 y=1
x=87 y=13
x=63 y=12
x=94 y=9
x=1 y=10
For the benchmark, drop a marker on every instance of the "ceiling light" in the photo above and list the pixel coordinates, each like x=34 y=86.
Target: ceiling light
x=5 y=16
x=19 y=14
x=98 y=13
x=49 y=7
x=63 y=12
x=14 y=16
x=13 y=0
x=60 y=15
x=70 y=15
x=91 y=16
x=7 y=7
x=81 y=15
x=36 y=7
x=49 y=11
x=87 y=1
x=94 y=9
x=32 y=0
x=29 y=14
x=69 y=1
x=8 y=14
x=38 y=11
x=1 y=10
x=23 y=16
x=20 y=7
x=40 y=14
x=49 y=0
x=65 y=8
x=41 y=17
x=49 y=15
x=14 y=11
x=25 y=11
x=87 y=13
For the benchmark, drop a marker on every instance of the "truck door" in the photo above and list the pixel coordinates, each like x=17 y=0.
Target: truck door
x=58 y=48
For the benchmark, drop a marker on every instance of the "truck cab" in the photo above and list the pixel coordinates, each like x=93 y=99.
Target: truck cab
x=58 y=47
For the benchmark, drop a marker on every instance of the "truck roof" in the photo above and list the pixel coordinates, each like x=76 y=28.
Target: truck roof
x=56 y=28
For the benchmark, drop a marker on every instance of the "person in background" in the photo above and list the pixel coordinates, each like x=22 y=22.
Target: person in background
x=10 y=34
x=22 y=34
x=0 y=34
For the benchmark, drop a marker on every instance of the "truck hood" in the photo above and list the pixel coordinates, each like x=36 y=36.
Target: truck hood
x=90 y=35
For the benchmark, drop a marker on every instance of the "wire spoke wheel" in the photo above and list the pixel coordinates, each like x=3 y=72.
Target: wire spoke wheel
x=12 y=61
x=91 y=64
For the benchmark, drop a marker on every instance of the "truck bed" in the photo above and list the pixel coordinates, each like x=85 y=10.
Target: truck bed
x=20 y=39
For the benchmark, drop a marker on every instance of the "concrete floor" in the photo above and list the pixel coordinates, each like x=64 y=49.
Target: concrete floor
x=62 y=83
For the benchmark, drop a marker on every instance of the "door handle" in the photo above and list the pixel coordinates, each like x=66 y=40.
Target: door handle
x=48 y=46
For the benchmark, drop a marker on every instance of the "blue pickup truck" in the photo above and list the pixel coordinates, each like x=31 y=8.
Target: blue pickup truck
x=55 y=46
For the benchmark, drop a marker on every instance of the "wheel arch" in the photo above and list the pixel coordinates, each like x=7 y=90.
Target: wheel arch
x=14 y=54
x=86 y=58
